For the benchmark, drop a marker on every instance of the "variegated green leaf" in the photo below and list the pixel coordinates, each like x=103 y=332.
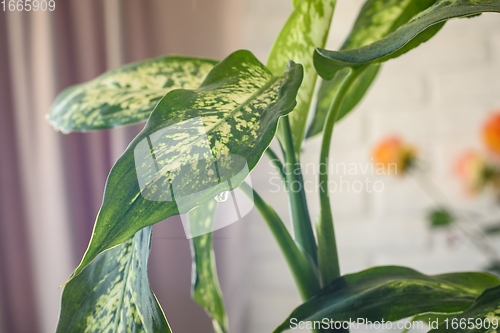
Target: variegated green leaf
x=196 y=144
x=377 y=19
x=482 y=317
x=206 y=290
x=112 y=294
x=126 y=95
x=410 y=35
x=392 y=293
x=306 y=29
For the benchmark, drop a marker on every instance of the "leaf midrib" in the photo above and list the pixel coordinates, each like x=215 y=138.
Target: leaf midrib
x=117 y=267
x=459 y=291
x=125 y=283
x=216 y=125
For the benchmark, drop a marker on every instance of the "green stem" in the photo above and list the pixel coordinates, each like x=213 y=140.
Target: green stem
x=276 y=162
x=302 y=227
x=327 y=247
x=303 y=272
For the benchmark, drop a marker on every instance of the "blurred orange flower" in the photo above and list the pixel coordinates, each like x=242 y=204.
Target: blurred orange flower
x=395 y=155
x=491 y=133
x=471 y=168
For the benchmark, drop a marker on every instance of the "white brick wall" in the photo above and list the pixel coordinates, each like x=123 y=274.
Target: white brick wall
x=437 y=96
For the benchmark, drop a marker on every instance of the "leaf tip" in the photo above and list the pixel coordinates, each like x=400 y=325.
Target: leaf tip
x=65 y=283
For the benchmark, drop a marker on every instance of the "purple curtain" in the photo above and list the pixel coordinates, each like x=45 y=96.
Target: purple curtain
x=87 y=38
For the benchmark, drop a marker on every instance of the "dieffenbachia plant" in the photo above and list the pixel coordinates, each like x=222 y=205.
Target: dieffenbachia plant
x=208 y=125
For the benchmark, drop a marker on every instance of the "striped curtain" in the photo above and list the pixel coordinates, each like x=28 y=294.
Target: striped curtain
x=51 y=184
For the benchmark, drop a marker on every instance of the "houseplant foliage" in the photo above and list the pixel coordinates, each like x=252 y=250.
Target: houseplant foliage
x=242 y=105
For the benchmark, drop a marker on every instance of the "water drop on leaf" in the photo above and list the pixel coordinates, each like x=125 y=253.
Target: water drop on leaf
x=222 y=196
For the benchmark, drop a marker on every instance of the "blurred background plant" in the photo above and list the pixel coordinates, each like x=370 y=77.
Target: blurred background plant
x=477 y=170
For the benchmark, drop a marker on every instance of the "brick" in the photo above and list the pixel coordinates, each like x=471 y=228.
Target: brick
x=351 y=128
x=440 y=54
x=470 y=86
x=402 y=119
x=396 y=88
x=405 y=233
x=454 y=119
x=495 y=48
x=434 y=263
x=483 y=24
x=352 y=262
x=270 y=308
x=401 y=196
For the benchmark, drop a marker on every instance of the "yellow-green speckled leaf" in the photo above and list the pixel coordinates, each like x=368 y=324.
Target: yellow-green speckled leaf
x=112 y=295
x=484 y=315
x=392 y=293
x=376 y=19
x=205 y=284
x=126 y=95
x=306 y=29
x=410 y=35
x=196 y=144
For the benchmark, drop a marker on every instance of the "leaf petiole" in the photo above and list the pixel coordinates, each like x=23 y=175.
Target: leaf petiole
x=327 y=247
x=304 y=274
x=301 y=221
